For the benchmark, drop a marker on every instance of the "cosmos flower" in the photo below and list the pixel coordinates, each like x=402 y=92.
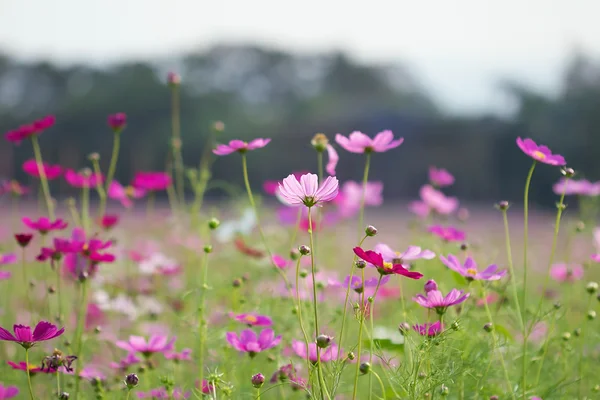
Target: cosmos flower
x=328 y=354
x=412 y=253
x=59 y=248
x=436 y=300
x=469 y=269
x=434 y=200
x=45 y=225
x=82 y=179
x=43 y=331
x=8 y=392
x=8 y=258
x=248 y=341
x=566 y=273
x=240 y=146
x=350 y=197
x=358 y=142
x=126 y=362
x=540 y=153
x=183 y=355
x=13 y=187
x=26 y=131
x=124 y=194
x=581 y=187
x=385 y=268
x=23 y=239
x=50 y=171
x=307 y=190
x=430 y=330
x=108 y=221
x=447 y=233
x=440 y=177
x=151 y=181
x=253 y=319
x=155 y=344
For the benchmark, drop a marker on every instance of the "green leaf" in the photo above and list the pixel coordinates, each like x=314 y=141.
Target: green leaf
x=501 y=329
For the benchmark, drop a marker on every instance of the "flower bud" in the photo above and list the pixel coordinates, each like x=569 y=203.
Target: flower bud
x=208 y=249
x=23 y=239
x=494 y=397
x=577 y=332
x=464 y=246
x=304 y=250
x=455 y=326
x=351 y=356
x=580 y=227
x=596 y=389
x=117 y=122
x=488 y=327
x=404 y=328
x=503 y=205
x=360 y=264
x=303 y=273
x=173 y=79
x=258 y=380
x=294 y=254
x=592 y=287
x=566 y=336
x=214 y=223
x=430 y=285
x=591 y=315
x=567 y=172
x=51 y=289
x=370 y=230
x=319 y=142
x=444 y=391
x=64 y=396
x=323 y=341
x=236 y=283
x=561 y=206
x=98 y=329
x=422 y=375
x=131 y=381
x=557 y=305
x=94 y=157
x=364 y=368
x=218 y=126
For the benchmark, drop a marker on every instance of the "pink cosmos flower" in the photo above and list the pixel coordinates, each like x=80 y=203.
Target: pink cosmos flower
x=4 y=275
x=412 y=253
x=596 y=258
x=419 y=208
x=350 y=197
x=254 y=319
x=438 y=201
x=155 y=344
x=333 y=160
x=566 y=273
x=117 y=121
x=328 y=354
x=469 y=269
x=33 y=369
x=26 y=131
x=358 y=285
x=43 y=331
x=240 y=146
x=51 y=171
x=151 y=181
x=8 y=392
x=108 y=221
x=44 y=225
x=430 y=330
x=271 y=187
x=279 y=261
x=125 y=195
x=385 y=268
x=163 y=394
x=8 y=258
x=581 y=187
x=358 y=142
x=540 y=153
x=436 y=300
x=440 y=177
x=60 y=247
x=173 y=78
x=447 y=233
x=126 y=362
x=248 y=341
x=85 y=255
x=81 y=180
x=13 y=187
x=307 y=190
x=184 y=355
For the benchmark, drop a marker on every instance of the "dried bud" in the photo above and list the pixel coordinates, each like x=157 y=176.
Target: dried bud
x=404 y=328
x=131 y=381
x=464 y=247
x=370 y=230
x=364 y=368
x=567 y=172
x=323 y=341
x=592 y=287
x=430 y=285
x=488 y=327
x=214 y=223
x=208 y=249
x=258 y=380
x=503 y=205
x=319 y=142
x=360 y=264
x=304 y=250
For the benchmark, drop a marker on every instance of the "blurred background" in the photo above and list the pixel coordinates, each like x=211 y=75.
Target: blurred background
x=459 y=80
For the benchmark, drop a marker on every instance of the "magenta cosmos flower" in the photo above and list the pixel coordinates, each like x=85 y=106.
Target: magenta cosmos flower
x=385 y=268
x=581 y=187
x=440 y=177
x=249 y=343
x=117 y=121
x=540 y=153
x=469 y=269
x=151 y=181
x=43 y=331
x=328 y=354
x=358 y=142
x=566 y=273
x=183 y=355
x=307 y=190
x=430 y=330
x=8 y=258
x=8 y=392
x=412 y=253
x=58 y=249
x=26 y=131
x=44 y=225
x=82 y=180
x=125 y=195
x=51 y=171
x=434 y=200
x=240 y=146
x=350 y=197
x=254 y=319
x=436 y=300
x=13 y=187
x=447 y=233
x=155 y=344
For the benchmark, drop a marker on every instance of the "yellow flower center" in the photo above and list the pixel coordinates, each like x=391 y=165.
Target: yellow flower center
x=539 y=154
x=472 y=271
x=388 y=265
x=129 y=190
x=251 y=319
x=31 y=367
x=86 y=247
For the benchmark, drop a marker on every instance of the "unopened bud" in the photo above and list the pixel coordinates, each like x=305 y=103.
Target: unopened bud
x=319 y=142
x=444 y=391
x=214 y=223
x=351 y=356
x=567 y=172
x=131 y=381
x=592 y=287
x=258 y=380
x=404 y=328
x=98 y=329
x=566 y=336
x=577 y=332
x=173 y=79
x=64 y=396
x=360 y=264
x=455 y=326
x=422 y=375
x=94 y=156
x=503 y=205
x=430 y=285
x=580 y=227
x=557 y=305
x=236 y=283
x=364 y=368
x=51 y=289
x=218 y=126
x=488 y=327
x=208 y=249
x=464 y=246
x=294 y=254
x=303 y=273
x=591 y=315
x=323 y=341
x=304 y=250
x=494 y=397
x=370 y=230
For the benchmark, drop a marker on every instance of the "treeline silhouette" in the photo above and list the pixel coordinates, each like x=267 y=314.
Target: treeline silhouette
x=289 y=97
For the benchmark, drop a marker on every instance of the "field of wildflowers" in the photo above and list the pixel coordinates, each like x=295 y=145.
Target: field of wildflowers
x=297 y=293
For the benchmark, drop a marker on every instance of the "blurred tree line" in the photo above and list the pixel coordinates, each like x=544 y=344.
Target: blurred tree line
x=290 y=97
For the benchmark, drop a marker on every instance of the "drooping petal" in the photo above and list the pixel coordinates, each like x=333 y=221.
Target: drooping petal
x=332 y=161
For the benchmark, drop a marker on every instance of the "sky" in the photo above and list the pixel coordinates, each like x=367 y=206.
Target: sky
x=459 y=49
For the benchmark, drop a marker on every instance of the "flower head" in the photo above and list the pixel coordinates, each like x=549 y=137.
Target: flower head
x=358 y=142
x=384 y=267
x=155 y=344
x=45 y=225
x=307 y=190
x=32 y=168
x=26 y=131
x=351 y=195
x=59 y=248
x=117 y=122
x=412 y=253
x=151 y=181
x=83 y=179
x=581 y=187
x=8 y=392
x=183 y=355
x=469 y=269
x=126 y=362
x=436 y=201
x=447 y=233
x=436 y=300
x=13 y=187
x=327 y=354
x=240 y=146
x=566 y=273
x=8 y=258
x=108 y=221
x=125 y=194
x=540 y=153
x=430 y=330
x=248 y=341
x=23 y=239
x=254 y=319
x=440 y=177
x=22 y=334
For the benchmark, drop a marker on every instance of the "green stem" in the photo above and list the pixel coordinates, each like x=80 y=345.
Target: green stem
x=176 y=144
x=372 y=345
x=361 y=215
x=26 y=280
x=545 y=349
x=582 y=349
x=128 y=394
x=512 y=270
x=44 y=180
x=524 y=301
x=58 y=289
x=28 y=374
x=300 y=314
x=258 y=394
x=201 y=323
x=58 y=383
x=79 y=335
x=111 y=169
x=99 y=189
x=85 y=208
x=320 y=165
x=361 y=314
x=383 y=393
x=203 y=176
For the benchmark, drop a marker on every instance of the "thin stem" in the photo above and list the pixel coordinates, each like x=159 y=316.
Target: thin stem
x=40 y=164
x=128 y=394
x=582 y=349
x=372 y=345
x=361 y=315
x=320 y=165
x=203 y=176
x=28 y=374
x=314 y=287
x=58 y=383
x=545 y=349
x=25 y=279
x=79 y=335
x=361 y=215
x=257 y=393
x=111 y=169
x=176 y=144
x=201 y=323
x=85 y=208
x=300 y=314
x=150 y=205
x=525 y=240
x=380 y=383
x=56 y=267
x=99 y=189
x=512 y=270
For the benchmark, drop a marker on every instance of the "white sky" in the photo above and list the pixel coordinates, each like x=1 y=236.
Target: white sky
x=458 y=48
